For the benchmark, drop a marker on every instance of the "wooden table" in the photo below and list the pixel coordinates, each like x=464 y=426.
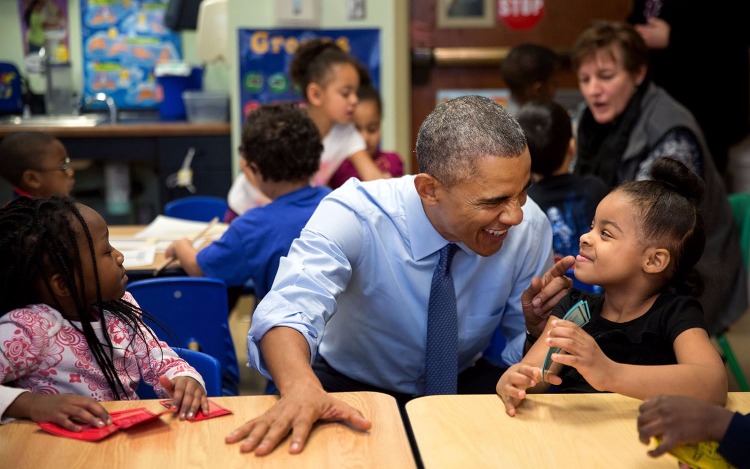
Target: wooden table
x=550 y=430
x=129 y=231
x=170 y=443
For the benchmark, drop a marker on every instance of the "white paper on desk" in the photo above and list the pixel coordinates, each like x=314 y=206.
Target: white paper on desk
x=162 y=245
x=137 y=252
x=165 y=228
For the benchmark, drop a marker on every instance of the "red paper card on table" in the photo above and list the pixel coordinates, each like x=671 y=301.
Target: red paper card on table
x=214 y=410
x=120 y=420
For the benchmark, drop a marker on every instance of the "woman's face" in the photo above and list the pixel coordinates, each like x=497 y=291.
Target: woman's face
x=606 y=85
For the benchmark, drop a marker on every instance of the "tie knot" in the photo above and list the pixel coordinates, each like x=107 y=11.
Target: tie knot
x=446 y=256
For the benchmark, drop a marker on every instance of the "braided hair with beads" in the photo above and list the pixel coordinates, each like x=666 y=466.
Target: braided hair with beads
x=43 y=237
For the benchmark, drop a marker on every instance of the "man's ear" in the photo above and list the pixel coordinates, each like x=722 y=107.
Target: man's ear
x=426 y=188
x=58 y=286
x=314 y=94
x=31 y=179
x=657 y=261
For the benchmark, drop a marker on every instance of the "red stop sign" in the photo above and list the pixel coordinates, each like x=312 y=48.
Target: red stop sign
x=520 y=14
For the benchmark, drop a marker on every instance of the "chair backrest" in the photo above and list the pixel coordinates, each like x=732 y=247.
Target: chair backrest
x=193 y=313
x=197 y=208
x=740 y=203
x=208 y=367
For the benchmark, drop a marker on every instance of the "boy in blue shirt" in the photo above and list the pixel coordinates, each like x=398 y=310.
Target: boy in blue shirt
x=568 y=200
x=280 y=152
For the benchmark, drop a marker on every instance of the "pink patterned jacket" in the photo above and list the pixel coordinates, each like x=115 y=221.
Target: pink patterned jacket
x=42 y=352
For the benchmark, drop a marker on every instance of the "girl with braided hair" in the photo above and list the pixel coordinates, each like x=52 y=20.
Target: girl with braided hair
x=70 y=335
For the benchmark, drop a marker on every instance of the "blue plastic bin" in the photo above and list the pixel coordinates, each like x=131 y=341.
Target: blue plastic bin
x=172 y=84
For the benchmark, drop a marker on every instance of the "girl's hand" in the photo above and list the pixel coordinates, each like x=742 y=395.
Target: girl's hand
x=66 y=410
x=513 y=384
x=583 y=354
x=187 y=395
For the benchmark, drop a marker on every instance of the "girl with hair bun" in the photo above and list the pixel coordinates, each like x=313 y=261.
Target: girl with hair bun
x=646 y=334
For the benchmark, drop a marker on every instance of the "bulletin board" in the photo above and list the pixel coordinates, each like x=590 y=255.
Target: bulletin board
x=265 y=55
x=122 y=42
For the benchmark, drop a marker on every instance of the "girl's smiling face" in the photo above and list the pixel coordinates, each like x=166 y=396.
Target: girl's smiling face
x=612 y=253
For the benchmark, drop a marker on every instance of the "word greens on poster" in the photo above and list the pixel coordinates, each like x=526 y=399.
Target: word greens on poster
x=265 y=55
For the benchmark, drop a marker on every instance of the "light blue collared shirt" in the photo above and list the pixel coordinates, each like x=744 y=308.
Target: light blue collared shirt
x=361 y=271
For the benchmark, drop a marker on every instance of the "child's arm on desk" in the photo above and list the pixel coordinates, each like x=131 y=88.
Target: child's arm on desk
x=699 y=371
x=187 y=394
x=526 y=376
x=184 y=251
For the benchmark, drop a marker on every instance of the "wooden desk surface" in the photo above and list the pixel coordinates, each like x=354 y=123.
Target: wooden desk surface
x=550 y=430
x=124 y=231
x=168 y=442
x=129 y=231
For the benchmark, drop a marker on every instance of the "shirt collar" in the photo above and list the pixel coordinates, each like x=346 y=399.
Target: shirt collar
x=423 y=237
x=21 y=193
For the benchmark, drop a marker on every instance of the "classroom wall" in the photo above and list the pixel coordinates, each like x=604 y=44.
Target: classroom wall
x=391 y=16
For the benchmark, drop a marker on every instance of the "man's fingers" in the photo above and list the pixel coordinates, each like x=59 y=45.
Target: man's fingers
x=559 y=269
x=300 y=433
x=277 y=431
x=359 y=422
x=239 y=433
x=253 y=438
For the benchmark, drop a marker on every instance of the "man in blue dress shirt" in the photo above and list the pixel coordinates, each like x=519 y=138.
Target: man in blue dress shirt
x=348 y=308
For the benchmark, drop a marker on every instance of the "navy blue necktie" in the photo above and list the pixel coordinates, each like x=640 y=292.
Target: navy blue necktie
x=441 y=362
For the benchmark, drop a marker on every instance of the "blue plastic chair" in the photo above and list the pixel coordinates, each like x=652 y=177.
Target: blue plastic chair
x=193 y=313
x=197 y=208
x=208 y=367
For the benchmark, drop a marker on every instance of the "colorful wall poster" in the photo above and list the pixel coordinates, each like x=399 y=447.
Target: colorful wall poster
x=265 y=55
x=42 y=19
x=123 y=40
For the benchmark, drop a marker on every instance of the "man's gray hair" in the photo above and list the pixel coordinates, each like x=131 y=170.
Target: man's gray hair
x=461 y=131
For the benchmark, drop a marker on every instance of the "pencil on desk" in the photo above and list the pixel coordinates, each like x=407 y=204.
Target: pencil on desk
x=203 y=233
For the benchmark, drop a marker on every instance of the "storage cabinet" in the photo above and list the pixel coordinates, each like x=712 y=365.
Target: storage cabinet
x=152 y=153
